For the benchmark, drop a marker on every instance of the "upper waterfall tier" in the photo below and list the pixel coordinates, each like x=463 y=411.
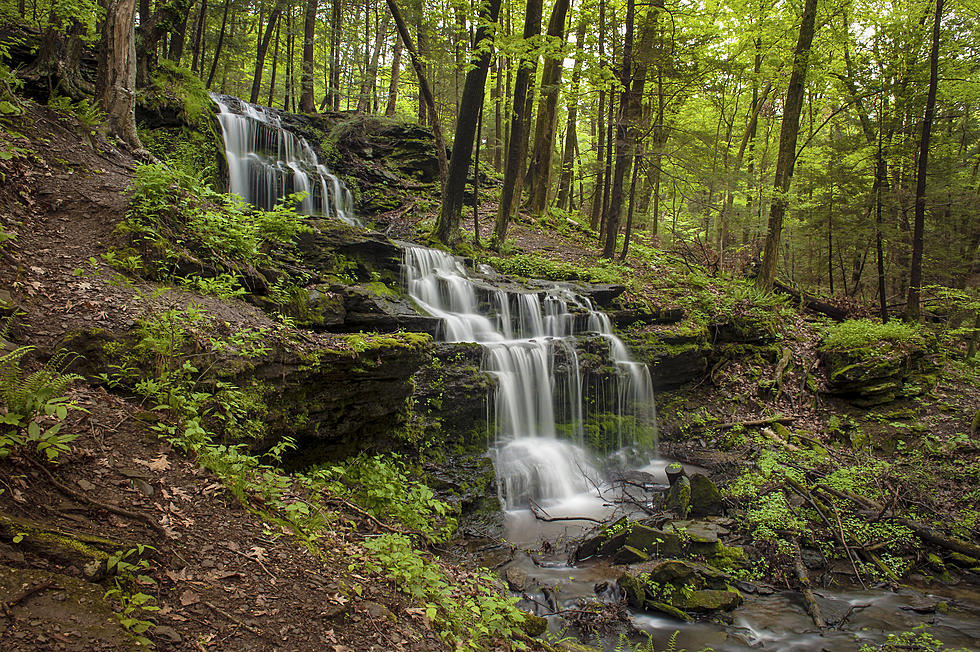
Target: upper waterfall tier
x=267 y=162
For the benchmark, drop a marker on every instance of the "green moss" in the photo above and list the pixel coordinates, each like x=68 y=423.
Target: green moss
x=861 y=333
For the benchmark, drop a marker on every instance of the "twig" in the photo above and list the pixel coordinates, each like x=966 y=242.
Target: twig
x=552 y=519
x=384 y=526
x=257 y=561
x=843 y=540
x=237 y=621
x=119 y=511
x=850 y=610
x=26 y=593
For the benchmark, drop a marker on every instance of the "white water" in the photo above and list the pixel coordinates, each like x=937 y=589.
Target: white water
x=529 y=343
x=267 y=162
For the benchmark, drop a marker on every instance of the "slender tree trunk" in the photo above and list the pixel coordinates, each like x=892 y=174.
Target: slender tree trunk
x=476 y=179
x=275 y=67
x=262 y=49
x=596 y=209
x=497 y=99
x=571 y=126
x=115 y=86
x=217 y=48
x=787 y=145
x=306 y=102
x=336 y=24
x=447 y=225
x=912 y=307
x=539 y=174
x=517 y=143
x=199 y=26
x=424 y=89
x=393 y=83
x=371 y=79
x=177 y=37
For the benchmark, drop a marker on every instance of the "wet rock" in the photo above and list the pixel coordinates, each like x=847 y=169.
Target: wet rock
x=666 y=609
x=630 y=555
x=516 y=578
x=168 y=634
x=654 y=542
x=705 y=497
x=679 y=496
x=703 y=600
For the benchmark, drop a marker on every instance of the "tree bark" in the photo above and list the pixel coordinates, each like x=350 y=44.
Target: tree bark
x=544 y=131
x=447 y=225
x=217 y=49
x=788 y=133
x=912 y=308
x=336 y=23
x=517 y=142
x=571 y=126
x=115 y=86
x=262 y=50
x=393 y=83
x=306 y=102
x=424 y=89
x=371 y=79
x=199 y=26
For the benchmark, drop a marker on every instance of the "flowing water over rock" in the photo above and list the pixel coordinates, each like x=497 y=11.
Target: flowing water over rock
x=530 y=348
x=267 y=162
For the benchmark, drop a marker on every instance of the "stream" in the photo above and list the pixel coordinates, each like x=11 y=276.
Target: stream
x=531 y=338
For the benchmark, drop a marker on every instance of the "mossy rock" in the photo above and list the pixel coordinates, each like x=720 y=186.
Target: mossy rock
x=705 y=600
x=705 y=497
x=679 y=496
x=534 y=625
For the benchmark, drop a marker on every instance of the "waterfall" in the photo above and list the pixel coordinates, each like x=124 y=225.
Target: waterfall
x=266 y=162
x=529 y=347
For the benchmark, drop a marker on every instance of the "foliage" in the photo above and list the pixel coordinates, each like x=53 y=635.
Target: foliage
x=533 y=265
x=169 y=206
x=385 y=488
x=861 y=333
x=467 y=611
x=35 y=407
x=87 y=113
x=913 y=641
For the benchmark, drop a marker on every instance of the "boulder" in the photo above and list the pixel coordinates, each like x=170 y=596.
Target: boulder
x=679 y=496
x=705 y=497
x=675 y=586
x=704 y=600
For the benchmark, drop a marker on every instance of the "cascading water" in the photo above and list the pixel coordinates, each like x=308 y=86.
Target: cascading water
x=267 y=162
x=529 y=343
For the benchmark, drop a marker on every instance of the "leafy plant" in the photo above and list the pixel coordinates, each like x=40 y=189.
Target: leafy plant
x=35 y=406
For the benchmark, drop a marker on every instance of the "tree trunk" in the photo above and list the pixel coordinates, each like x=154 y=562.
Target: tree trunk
x=336 y=23
x=447 y=225
x=424 y=89
x=544 y=132
x=115 y=86
x=306 y=102
x=262 y=49
x=217 y=48
x=624 y=153
x=275 y=67
x=371 y=79
x=199 y=27
x=393 y=83
x=177 y=37
x=571 y=126
x=517 y=143
x=912 y=308
x=788 y=133
x=596 y=208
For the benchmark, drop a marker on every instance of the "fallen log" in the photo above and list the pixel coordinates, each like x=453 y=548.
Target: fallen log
x=811 y=302
x=806 y=589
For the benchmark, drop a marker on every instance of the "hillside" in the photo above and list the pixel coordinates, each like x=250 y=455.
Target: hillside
x=222 y=353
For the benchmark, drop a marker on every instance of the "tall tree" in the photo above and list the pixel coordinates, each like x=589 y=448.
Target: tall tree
x=571 y=126
x=912 y=308
x=262 y=48
x=788 y=133
x=539 y=173
x=306 y=101
x=447 y=225
x=520 y=117
x=115 y=85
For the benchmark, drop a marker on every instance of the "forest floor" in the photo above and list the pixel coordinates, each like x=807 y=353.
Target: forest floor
x=221 y=576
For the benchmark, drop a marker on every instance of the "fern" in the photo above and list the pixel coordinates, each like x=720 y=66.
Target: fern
x=32 y=398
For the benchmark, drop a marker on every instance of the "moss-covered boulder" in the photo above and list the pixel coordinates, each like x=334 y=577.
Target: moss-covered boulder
x=676 y=586
x=705 y=497
x=869 y=363
x=679 y=496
